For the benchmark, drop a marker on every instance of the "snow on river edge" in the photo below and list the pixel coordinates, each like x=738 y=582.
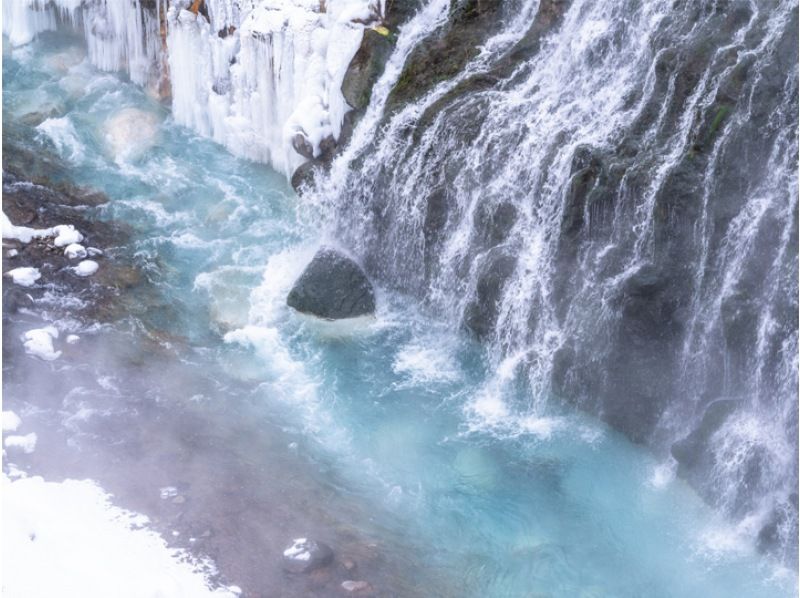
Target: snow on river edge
x=56 y=536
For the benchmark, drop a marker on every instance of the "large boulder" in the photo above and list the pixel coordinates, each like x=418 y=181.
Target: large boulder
x=494 y=271
x=333 y=287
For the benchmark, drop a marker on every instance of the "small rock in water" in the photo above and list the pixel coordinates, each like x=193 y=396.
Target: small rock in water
x=355 y=586
x=168 y=492
x=66 y=234
x=75 y=251
x=332 y=286
x=349 y=564
x=86 y=268
x=72 y=339
x=304 y=555
x=179 y=500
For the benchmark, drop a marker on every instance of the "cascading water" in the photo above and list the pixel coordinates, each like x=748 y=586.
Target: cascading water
x=607 y=195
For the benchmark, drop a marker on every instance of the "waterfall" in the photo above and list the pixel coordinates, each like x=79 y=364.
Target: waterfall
x=120 y=35
x=606 y=194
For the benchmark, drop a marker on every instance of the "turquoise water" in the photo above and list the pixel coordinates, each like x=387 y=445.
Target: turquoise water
x=509 y=496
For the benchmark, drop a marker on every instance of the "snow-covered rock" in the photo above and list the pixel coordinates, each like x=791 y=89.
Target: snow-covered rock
x=39 y=343
x=86 y=268
x=24 y=277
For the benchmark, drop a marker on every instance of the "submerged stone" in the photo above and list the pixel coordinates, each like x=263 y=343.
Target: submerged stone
x=693 y=452
x=304 y=555
x=332 y=286
x=355 y=586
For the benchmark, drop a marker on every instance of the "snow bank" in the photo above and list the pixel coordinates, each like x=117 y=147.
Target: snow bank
x=24 y=277
x=64 y=234
x=67 y=539
x=23 y=233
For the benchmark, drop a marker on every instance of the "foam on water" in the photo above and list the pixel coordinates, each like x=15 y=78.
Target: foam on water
x=130 y=133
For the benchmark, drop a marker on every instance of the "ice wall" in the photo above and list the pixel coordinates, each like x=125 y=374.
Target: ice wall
x=264 y=77
x=119 y=34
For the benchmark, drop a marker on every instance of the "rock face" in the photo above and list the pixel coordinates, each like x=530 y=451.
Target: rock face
x=332 y=286
x=304 y=555
x=693 y=452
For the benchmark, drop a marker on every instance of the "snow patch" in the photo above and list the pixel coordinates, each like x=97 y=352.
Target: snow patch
x=39 y=343
x=23 y=233
x=11 y=421
x=68 y=529
x=86 y=268
x=24 y=277
x=26 y=443
x=75 y=251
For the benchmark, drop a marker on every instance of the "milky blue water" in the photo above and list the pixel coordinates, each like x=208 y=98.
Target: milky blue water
x=507 y=495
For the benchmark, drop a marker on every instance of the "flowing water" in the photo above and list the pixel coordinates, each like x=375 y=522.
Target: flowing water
x=402 y=427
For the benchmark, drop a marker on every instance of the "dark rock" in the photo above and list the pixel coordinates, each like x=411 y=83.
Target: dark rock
x=303 y=146
x=775 y=535
x=327 y=149
x=304 y=555
x=303 y=177
x=444 y=54
x=495 y=222
x=15 y=299
x=496 y=268
x=692 y=453
x=365 y=68
x=332 y=286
